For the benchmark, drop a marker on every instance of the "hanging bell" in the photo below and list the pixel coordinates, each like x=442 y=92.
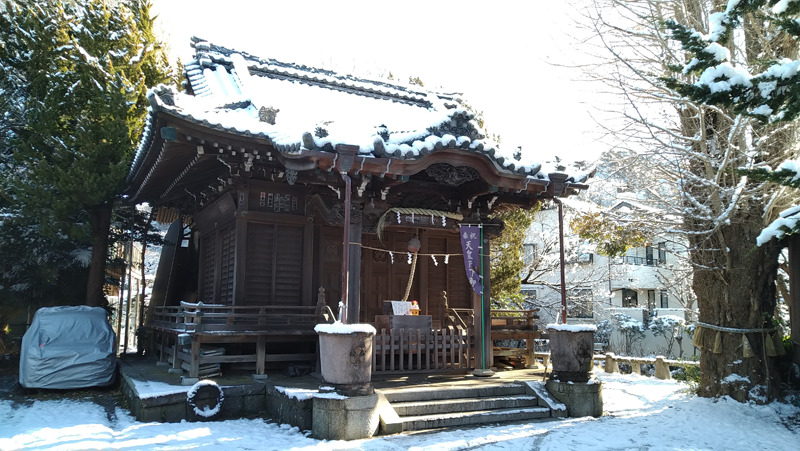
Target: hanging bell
x=414 y=245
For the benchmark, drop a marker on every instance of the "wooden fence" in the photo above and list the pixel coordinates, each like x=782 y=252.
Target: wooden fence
x=412 y=351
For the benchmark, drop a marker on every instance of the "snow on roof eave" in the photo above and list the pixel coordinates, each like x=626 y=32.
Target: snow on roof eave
x=208 y=54
x=447 y=141
x=148 y=136
x=163 y=102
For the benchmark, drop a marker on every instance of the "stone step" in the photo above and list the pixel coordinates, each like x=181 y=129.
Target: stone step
x=437 y=392
x=454 y=405
x=454 y=419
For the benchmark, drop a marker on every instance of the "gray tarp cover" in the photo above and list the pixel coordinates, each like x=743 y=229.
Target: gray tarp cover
x=68 y=347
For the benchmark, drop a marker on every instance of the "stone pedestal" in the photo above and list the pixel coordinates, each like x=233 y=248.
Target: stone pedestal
x=572 y=382
x=340 y=418
x=582 y=399
x=345 y=353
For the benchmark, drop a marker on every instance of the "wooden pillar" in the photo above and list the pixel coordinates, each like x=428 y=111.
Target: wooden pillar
x=486 y=311
x=354 y=264
x=794 y=295
x=261 y=354
x=308 y=295
x=240 y=254
x=194 y=370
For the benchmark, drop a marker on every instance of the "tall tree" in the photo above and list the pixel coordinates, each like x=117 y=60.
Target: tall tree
x=506 y=258
x=696 y=146
x=77 y=73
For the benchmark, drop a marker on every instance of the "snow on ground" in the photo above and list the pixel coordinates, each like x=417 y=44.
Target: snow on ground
x=640 y=413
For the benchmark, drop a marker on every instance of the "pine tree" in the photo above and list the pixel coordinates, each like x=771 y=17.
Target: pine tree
x=773 y=93
x=77 y=74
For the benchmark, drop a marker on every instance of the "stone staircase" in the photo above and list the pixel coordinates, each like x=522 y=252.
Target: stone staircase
x=451 y=406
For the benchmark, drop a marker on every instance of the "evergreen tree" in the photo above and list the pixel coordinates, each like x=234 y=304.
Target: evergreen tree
x=684 y=114
x=747 y=37
x=773 y=93
x=506 y=258
x=74 y=77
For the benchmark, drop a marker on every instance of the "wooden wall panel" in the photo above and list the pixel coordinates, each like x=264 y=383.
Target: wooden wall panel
x=289 y=266
x=259 y=263
x=274 y=264
x=227 y=264
x=208 y=248
x=329 y=264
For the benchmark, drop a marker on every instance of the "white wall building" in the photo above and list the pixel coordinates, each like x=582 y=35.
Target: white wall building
x=648 y=281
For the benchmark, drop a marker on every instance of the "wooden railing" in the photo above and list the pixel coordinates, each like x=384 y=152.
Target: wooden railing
x=514 y=320
x=179 y=333
x=237 y=319
x=410 y=351
x=515 y=325
x=661 y=364
x=460 y=317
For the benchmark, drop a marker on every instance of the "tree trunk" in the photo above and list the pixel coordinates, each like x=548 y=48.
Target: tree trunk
x=101 y=223
x=735 y=287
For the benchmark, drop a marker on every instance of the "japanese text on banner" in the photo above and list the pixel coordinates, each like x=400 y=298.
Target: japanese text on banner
x=470 y=246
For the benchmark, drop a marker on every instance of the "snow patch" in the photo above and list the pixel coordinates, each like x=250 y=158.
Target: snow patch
x=340 y=328
x=573 y=327
x=300 y=394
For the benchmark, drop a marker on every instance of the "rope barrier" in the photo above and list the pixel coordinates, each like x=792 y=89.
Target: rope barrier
x=450 y=254
x=733 y=329
x=416 y=211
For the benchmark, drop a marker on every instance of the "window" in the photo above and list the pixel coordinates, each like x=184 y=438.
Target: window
x=664 y=299
x=648 y=255
x=586 y=258
x=662 y=252
x=528 y=253
x=629 y=298
x=579 y=303
x=529 y=294
x=651 y=299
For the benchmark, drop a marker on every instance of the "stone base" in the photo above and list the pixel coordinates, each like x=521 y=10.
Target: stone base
x=583 y=399
x=482 y=373
x=260 y=377
x=364 y=389
x=340 y=418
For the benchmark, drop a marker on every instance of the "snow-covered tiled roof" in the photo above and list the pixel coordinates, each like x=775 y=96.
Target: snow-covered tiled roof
x=316 y=109
x=253 y=107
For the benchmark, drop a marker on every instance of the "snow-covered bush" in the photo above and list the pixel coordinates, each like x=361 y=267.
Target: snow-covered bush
x=603 y=333
x=632 y=331
x=670 y=328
